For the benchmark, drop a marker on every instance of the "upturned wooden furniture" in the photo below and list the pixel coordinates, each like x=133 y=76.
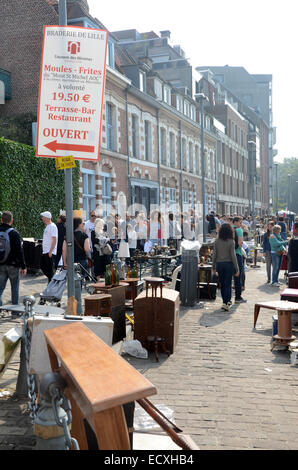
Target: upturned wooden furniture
x=205 y=272
x=98 y=381
x=98 y=305
x=277 y=305
x=132 y=288
x=154 y=283
x=117 y=292
x=156 y=316
x=118 y=307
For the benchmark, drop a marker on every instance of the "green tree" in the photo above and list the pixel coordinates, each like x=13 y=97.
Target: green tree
x=287 y=185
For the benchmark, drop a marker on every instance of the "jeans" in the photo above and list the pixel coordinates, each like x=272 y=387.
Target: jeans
x=225 y=270
x=13 y=274
x=268 y=258
x=276 y=265
x=238 y=280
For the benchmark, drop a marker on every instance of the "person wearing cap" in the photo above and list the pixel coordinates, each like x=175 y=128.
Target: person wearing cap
x=49 y=245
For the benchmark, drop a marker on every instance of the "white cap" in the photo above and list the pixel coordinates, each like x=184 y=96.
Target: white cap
x=46 y=214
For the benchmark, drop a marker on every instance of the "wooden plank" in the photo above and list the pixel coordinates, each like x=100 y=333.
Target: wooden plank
x=97 y=376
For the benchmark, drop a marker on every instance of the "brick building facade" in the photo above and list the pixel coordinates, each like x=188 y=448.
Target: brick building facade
x=151 y=130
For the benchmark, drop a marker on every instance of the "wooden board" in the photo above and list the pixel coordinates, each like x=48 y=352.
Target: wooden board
x=100 y=379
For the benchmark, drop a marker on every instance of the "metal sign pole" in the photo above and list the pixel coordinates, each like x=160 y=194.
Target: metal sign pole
x=68 y=193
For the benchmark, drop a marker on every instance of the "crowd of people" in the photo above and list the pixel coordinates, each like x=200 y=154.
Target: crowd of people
x=96 y=241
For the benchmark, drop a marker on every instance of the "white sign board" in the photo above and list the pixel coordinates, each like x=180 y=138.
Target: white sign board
x=71 y=92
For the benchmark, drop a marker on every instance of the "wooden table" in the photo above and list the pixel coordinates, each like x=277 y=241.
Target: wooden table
x=277 y=305
x=284 y=310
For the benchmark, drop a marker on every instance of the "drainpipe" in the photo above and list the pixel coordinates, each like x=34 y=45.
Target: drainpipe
x=127 y=149
x=181 y=167
x=158 y=157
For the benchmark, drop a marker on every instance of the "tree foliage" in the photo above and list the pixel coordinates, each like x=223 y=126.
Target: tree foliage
x=31 y=185
x=287 y=172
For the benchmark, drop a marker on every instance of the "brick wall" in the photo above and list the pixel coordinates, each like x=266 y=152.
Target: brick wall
x=21 y=32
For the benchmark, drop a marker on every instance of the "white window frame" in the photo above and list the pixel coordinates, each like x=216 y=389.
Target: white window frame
x=106 y=197
x=172 y=195
x=148 y=141
x=163 y=145
x=179 y=103
x=88 y=190
x=172 y=149
x=110 y=126
x=167 y=94
x=135 y=136
x=142 y=81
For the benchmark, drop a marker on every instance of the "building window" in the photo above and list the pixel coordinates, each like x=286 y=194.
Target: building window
x=111 y=54
x=172 y=149
x=190 y=156
x=89 y=199
x=142 y=78
x=198 y=162
x=167 y=95
x=185 y=196
x=148 y=141
x=172 y=195
x=163 y=194
x=106 y=193
x=179 y=104
x=193 y=113
x=135 y=136
x=158 y=89
x=184 y=163
x=163 y=146
x=187 y=108
x=110 y=112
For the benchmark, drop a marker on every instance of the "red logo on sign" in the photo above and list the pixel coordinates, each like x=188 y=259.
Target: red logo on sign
x=74 y=47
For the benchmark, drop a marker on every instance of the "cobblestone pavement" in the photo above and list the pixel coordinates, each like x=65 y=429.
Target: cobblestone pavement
x=227 y=389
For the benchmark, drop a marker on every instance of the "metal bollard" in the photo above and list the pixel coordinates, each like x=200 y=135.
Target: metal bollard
x=49 y=436
x=52 y=423
x=22 y=381
x=78 y=289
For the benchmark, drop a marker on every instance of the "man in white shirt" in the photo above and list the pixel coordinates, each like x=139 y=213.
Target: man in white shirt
x=90 y=225
x=49 y=245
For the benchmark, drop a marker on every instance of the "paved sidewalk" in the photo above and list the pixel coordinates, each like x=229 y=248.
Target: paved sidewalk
x=227 y=389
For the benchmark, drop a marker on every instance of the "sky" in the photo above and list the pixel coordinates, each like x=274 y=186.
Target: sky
x=259 y=35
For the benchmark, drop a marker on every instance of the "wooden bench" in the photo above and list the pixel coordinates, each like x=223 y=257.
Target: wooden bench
x=98 y=381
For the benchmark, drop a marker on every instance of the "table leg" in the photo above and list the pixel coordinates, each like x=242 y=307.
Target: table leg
x=256 y=314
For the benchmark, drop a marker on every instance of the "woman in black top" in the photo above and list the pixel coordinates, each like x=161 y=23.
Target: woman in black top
x=81 y=244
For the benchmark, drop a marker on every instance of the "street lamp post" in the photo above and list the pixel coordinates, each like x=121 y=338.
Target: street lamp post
x=289 y=190
x=276 y=187
x=202 y=99
x=62 y=9
x=252 y=177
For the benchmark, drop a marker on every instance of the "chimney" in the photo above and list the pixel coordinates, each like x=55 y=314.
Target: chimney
x=165 y=34
x=81 y=3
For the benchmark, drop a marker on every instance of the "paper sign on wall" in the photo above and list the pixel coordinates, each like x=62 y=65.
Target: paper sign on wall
x=71 y=92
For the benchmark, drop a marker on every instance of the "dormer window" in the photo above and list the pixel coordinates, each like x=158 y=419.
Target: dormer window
x=111 y=54
x=142 y=81
x=167 y=95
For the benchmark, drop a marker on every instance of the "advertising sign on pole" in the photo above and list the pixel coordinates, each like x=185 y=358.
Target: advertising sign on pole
x=71 y=92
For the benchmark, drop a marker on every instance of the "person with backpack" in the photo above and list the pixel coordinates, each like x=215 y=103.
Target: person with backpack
x=238 y=237
x=12 y=260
